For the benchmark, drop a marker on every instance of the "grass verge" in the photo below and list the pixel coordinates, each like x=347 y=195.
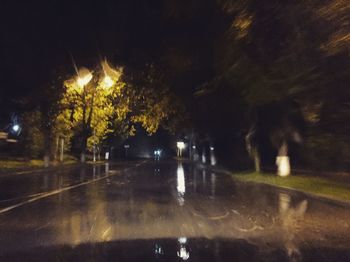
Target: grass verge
x=308 y=184
x=96 y=162
x=14 y=164
x=6 y=165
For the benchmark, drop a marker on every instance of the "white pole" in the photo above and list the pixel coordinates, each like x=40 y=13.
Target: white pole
x=57 y=149
x=62 y=149
x=94 y=153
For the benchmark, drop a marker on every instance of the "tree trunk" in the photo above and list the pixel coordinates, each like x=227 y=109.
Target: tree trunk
x=57 y=148
x=83 y=147
x=256 y=157
x=62 y=150
x=99 y=153
x=252 y=149
x=47 y=144
x=86 y=127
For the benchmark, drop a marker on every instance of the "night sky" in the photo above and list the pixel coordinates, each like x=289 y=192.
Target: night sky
x=39 y=36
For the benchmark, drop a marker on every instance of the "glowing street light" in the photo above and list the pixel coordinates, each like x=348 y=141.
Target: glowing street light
x=84 y=77
x=107 y=82
x=180 y=146
x=15 y=128
x=111 y=75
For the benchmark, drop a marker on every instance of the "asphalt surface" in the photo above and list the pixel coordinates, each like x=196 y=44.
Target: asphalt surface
x=163 y=211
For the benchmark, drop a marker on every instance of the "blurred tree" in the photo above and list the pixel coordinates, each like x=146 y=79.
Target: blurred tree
x=334 y=16
x=272 y=56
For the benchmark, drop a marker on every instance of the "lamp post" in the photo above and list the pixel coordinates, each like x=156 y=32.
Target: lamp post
x=84 y=77
x=212 y=156
x=61 y=149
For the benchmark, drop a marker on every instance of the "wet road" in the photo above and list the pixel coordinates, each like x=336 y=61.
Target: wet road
x=165 y=211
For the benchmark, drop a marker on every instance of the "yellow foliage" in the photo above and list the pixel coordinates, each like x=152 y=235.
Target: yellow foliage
x=337 y=14
x=242 y=24
x=157 y=108
x=109 y=105
x=93 y=105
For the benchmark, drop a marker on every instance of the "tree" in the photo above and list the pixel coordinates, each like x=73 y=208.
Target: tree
x=265 y=60
x=289 y=58
x=49 y=106
x=97 y=104
x=32 y=136
x=154 y=104
x=89 y=103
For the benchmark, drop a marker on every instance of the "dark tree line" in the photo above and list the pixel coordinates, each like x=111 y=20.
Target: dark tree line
x=264 y=78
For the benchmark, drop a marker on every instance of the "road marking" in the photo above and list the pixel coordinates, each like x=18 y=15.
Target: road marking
x=57 y=191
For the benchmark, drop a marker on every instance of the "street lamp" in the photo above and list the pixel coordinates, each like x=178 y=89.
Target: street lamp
x=15 y=128
x=84 y=77
x=107 y=82
x=212 y=156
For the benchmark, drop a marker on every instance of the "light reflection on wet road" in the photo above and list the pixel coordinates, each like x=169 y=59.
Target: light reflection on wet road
x=166 y=211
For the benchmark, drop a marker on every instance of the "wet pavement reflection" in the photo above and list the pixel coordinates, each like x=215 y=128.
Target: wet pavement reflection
x=163 y=211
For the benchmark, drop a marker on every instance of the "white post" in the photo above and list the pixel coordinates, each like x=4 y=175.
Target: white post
x=94 y=153
x=57 y=149
x=212 y=156
x=282 y=161
x=62 y=149
x=98 y=153
x=204 y=159
x=46 y=161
